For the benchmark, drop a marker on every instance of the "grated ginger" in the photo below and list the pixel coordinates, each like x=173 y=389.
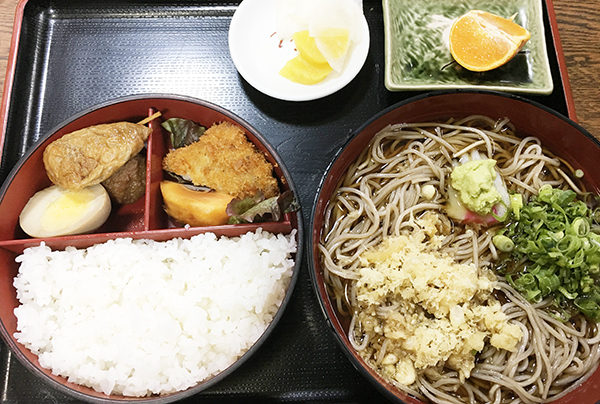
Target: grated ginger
x=444 y=312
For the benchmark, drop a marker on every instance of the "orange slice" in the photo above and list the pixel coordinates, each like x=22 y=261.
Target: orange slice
x=481 y=41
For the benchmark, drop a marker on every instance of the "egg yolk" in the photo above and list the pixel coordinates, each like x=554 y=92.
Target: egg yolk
x=67 y=209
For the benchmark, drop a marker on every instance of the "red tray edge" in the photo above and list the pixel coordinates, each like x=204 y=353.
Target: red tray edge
x=10 y=70
x=562 y=65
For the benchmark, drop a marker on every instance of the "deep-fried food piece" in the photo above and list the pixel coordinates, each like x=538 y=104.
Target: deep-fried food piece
x=89 y=156
x=128 y=183
x=223 y=159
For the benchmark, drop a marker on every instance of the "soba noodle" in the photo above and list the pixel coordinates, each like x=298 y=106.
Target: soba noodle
x=381 y=196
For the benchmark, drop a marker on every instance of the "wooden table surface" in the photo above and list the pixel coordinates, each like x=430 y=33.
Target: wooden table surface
x=579 y=28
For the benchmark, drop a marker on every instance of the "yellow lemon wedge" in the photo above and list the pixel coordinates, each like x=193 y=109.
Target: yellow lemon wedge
x=301 y=71
x=480 y=41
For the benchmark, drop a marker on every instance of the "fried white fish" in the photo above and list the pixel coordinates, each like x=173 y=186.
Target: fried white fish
x=223 y=159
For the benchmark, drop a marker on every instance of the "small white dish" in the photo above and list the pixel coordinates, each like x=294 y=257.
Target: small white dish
x=258 y=55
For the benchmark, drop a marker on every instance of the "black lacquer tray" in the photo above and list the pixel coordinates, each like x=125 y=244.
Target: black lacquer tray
x=67 y=56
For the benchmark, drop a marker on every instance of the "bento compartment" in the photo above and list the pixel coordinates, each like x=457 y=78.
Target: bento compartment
x=30 y=176
x=147 y=213
x=160 y=144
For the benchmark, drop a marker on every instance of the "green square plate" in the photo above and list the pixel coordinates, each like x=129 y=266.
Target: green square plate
x=416 y=47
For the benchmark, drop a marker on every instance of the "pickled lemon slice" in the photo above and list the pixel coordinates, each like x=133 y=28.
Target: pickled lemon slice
x=301 y=71
x=334 y=44
x=322 y=30
x=307 y=47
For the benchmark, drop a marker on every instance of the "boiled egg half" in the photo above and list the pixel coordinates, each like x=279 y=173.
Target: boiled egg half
x=57 y=211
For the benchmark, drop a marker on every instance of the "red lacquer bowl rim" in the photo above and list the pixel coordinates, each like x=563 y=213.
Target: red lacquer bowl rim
x=424 y=105
x=87 y=394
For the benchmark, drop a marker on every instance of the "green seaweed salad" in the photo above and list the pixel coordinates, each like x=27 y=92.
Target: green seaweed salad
x=550 y=249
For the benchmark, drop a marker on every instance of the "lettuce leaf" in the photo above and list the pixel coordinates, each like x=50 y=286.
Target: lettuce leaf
x=183 y=131
x=257 y=209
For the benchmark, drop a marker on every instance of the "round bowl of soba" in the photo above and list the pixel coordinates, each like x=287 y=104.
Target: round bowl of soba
x=454 y=251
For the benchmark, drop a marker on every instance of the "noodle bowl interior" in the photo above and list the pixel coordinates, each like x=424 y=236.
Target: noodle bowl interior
x=437 y=305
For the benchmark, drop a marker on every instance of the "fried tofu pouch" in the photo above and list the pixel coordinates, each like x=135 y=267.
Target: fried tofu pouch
x=89 y=156
x=225 y=160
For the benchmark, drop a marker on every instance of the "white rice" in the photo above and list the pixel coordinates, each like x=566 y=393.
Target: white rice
x=143 y=317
